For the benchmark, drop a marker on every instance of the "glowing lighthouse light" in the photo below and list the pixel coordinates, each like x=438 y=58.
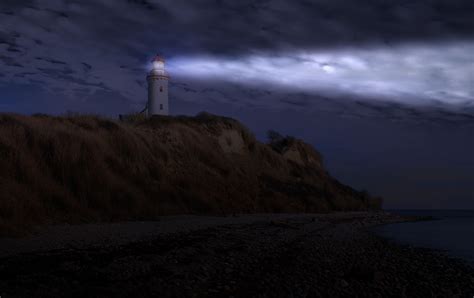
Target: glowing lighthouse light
x=158 y=65
x=158 y=88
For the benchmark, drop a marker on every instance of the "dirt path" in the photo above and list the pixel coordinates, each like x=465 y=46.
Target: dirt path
x=281 y=256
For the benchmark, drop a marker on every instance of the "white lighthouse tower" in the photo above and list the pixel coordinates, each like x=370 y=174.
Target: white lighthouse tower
x=158 y=88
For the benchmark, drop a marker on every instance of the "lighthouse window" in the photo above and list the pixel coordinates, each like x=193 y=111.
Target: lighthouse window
x=161 y=88
x=161 y=106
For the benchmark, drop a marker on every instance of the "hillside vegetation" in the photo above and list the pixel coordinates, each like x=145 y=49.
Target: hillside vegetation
x=88 y=169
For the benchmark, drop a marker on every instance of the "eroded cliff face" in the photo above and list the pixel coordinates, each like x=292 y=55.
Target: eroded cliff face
x=87 y=169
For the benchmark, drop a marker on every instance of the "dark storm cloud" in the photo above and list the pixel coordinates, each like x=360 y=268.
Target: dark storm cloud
x=338 y=23
x=52 y=61
x=8 y=61
x=243 y=26
x=9 y=6
x=399 y=112
x=236 y=27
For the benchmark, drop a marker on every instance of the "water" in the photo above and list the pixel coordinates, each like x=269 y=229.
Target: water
x=452 y=233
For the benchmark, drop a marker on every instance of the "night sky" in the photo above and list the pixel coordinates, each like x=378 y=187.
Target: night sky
x=383 y=88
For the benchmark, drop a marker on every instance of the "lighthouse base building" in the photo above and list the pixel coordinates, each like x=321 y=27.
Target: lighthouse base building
x=157 y=79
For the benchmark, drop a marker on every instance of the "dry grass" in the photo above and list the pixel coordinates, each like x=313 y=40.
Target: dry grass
x=87 y=169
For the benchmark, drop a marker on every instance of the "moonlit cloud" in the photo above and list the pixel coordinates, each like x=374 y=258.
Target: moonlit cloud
x=416 y=74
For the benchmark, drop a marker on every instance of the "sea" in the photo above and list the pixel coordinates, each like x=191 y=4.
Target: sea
x=451 y=232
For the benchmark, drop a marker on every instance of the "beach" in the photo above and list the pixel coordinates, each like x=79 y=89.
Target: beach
x=266 y=255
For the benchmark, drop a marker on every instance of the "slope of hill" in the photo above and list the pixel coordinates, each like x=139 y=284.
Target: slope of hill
x=87 y=169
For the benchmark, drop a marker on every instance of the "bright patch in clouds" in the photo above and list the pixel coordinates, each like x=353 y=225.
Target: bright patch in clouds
x=328 y=68
x=409 y=73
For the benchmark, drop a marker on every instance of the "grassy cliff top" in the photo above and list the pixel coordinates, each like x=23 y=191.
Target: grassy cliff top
x=88 y=169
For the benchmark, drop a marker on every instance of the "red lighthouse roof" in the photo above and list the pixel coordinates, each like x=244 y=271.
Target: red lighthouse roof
x=158 y=58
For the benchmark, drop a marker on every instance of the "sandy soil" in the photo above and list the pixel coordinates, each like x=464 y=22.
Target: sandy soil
x=245 y=256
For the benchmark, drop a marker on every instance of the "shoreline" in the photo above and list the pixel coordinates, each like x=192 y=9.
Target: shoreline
x=437 y=248
x=244 y=256
x=80 y=236
x=440 y=252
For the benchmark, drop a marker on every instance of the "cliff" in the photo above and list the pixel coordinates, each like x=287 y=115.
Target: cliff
x=87 y=169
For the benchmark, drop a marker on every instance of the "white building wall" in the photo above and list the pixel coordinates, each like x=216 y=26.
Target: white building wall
x=157 y=95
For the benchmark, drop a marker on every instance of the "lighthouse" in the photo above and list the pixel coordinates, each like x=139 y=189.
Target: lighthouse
x=158 y=88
